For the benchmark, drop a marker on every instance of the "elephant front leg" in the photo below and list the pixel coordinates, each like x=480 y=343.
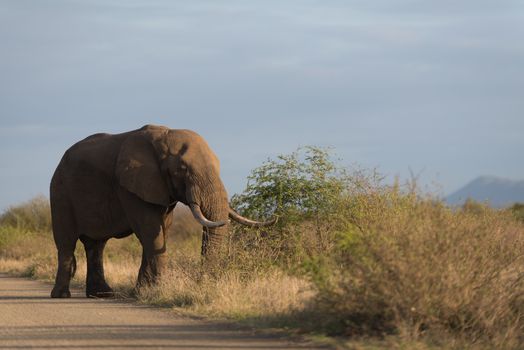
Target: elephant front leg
x=153 y=258
x=96 y=285
x=151 y=268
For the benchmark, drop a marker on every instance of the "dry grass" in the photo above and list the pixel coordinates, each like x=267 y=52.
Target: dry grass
x=412 y=266
x=186 y=284
x=230 y=295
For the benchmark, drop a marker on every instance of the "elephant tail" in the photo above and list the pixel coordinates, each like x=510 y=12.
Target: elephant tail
x=73 y=267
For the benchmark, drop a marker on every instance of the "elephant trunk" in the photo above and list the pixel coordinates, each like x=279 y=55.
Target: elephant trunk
x=210 y=207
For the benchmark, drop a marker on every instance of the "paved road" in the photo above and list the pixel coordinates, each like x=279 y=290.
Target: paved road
x=30 y=319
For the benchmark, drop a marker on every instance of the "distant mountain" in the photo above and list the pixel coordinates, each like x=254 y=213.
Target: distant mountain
x=497 y=191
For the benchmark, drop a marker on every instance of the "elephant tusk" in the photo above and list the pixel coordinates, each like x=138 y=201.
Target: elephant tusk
x=197 y=213
x=251 y=223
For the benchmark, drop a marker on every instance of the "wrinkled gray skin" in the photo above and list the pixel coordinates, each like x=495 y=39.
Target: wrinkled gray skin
x=114 y=185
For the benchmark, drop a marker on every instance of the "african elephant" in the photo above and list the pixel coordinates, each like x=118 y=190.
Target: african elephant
x=109 y=186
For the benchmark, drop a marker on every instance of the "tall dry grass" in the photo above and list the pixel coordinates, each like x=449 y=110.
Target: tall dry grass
x=410 y=265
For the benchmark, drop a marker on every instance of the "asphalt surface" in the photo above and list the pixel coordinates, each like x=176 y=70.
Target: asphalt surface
x=30 y=319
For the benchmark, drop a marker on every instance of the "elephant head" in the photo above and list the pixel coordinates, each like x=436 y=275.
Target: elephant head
x=165 y=166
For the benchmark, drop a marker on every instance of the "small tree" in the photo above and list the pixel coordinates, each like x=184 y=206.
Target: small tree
x=305 y=190
x=303 y=185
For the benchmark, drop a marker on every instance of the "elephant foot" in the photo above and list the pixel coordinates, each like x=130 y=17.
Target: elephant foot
x=60 y=292
x=103 y=291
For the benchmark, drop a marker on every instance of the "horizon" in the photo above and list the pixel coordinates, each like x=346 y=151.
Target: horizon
x=431 y=89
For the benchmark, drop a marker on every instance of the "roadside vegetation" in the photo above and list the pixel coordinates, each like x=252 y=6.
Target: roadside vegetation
x=382 y=266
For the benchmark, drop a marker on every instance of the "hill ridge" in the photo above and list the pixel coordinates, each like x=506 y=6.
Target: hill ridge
x=497 y=191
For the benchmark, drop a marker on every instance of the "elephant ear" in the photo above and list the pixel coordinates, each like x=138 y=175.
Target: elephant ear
x=138 y=170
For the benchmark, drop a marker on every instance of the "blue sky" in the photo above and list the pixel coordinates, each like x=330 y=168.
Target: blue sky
x=432 y=86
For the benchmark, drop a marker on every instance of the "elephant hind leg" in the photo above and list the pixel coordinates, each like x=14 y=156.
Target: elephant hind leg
x=96 y=285
x=66 y=270
x=65 y=241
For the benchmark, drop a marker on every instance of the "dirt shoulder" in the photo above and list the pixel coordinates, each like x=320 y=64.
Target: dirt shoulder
x=29 y=318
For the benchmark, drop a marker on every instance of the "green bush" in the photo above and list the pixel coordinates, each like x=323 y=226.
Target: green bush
x=8 y=236
x=517 y=210
x=33 y=215
x=305 y=190
x=305 y=184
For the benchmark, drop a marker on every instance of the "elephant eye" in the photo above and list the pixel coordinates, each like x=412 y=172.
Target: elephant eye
x=181 y=170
